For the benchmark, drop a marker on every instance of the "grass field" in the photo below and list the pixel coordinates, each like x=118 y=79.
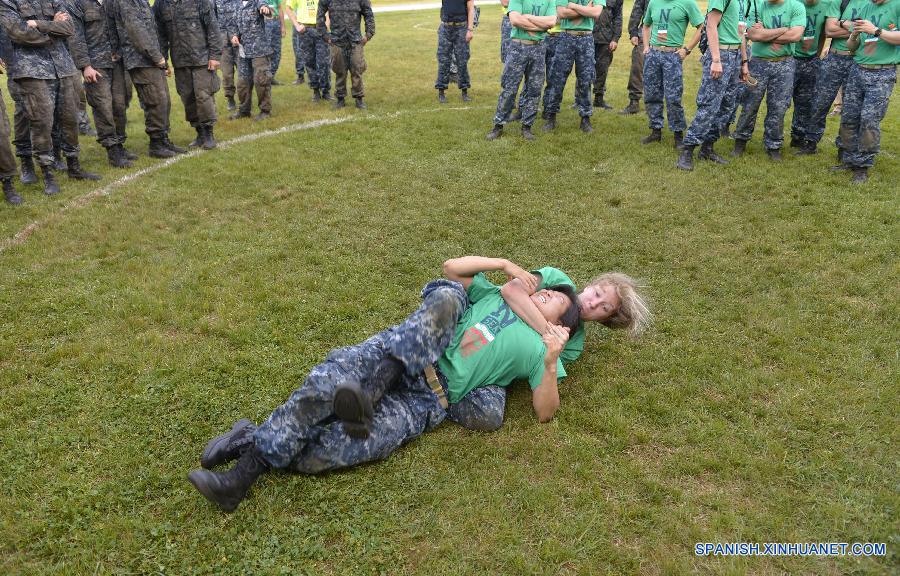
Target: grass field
x=138 y=324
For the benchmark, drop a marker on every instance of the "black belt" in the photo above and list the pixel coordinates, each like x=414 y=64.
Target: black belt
x=453 y=23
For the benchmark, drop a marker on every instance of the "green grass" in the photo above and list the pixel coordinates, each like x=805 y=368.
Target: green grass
x=762 y=407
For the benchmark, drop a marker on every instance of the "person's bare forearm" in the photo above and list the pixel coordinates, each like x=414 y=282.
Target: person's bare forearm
x=463 y=269
x=542 y=22
x=791 y=35
x=834 y=30
x=645 y=36
x=767 y=34
x=564 y=12
x=696 y=38
x=517 y=297
x=586 y=11
x=545 y=398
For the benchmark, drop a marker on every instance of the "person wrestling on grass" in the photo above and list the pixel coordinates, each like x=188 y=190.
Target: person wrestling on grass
x=367 y=400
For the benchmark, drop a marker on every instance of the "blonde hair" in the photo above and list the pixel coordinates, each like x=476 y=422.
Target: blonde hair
x=634 y=311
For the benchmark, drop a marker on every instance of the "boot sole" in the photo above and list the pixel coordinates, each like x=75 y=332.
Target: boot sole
x=212 y=456
x=353 y=410
x=201 y=481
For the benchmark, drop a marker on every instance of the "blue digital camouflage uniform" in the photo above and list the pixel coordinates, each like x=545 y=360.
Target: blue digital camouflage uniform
x=734 y=97
x=705 y=125
x=866 y=98
x=318 y=59
x=551 y=41
x=577 y=50
x=663 y=79
x=452 y=42
x=505 y=30
x=303 y=435
x=522 y=61
x=253 y=67
x=776 y=83
x=299 y=53
x=273 y=29
x=804 y=94
x=833 y=73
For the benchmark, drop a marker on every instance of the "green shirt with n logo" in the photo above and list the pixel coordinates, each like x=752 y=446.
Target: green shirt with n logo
x=784 y=14
x=816 y=13
x=668 y=20
x=531 y=8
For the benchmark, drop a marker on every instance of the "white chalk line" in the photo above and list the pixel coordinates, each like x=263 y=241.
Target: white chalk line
x=22 y=236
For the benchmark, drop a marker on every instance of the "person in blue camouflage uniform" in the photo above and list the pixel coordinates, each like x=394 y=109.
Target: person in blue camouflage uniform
x=734 y=93
x=808 y=58
x=781 y=24
x=575 y=47
x=7 y=160
x=314 y=50
x=875 y=41
x=46 y=77
x=724 y=64
x=276 y=31
x=247 y=30
x=505 y=31
x=454 y=35
x=225 y=11
x=303 y=435
x=525 y=59
x=347 y=44
x=833 y=72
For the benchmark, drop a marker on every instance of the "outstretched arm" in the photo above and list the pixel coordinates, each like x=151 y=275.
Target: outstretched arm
x=464 y=269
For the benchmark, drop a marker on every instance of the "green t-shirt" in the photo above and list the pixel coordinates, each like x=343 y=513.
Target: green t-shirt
x=872 y=49
x=577 y=23
x=554 y=277
x=851 y=12
x=492 y=346
x=531 y=8
x=815 y=27
x=668 y=20
x=728 y=25
x=786 y=14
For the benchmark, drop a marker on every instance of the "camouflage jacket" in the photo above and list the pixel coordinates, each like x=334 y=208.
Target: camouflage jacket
x=225 y=10
x=345 y=16
x=135 y=38
x=608 y=27
x=90 y=45
x=250 y=28
x=637 y=16
x=37 y=52
x=188 y=31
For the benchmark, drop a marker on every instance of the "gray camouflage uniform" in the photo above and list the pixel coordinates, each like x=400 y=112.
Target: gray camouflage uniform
x=345 y=39
x=254 y=66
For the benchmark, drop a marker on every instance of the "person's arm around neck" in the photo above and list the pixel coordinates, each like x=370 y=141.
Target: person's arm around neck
x=545 y=398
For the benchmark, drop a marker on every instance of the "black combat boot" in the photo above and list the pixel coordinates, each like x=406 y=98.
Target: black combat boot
x=158 y=149
x=209 y=140
x=355 y=406
x=808 y=148
x=739 y=147
x=686 y=159
x=196 y=142
x=796 y=142
x=230 y=103
x=633 y=108
x=316 y=95
x=860 y=174
x=50 y=185
x=442 y=98
x=840 y=167
x=600 y=103
x=774 y=154
x=228 y=446
x=360 y=104
x=465 y=95
x=516 y=116
x=655 y=135
x=725 y=132
x=28 y=174
x=262 y=116
x=586 y=125
x=326 y=95
x=172 y=146
x=75 y=172
x=707 y=152
x=238 y=115
x=339 y=103
x=9 y=191
x=227 y=489
x=128 y=154
x=299 y=81
x=58 y=162
x=527 y=134
x=496 y=132
x=549 y=123
x=116 y=156
x=679 y=140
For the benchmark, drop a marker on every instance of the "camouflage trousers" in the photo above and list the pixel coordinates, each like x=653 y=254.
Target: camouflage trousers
x=505 y=31
x=551 y=41
x=109 y=101
x=7 y=160
x=805 y=75
x=578 y=51
x=273 y=29
x=254 y=72
x=636 y=73
x=734 y=97
x=835 y=69
x=866 y=98
x=452 y=42
x=775 y=83
x=229 y=64
x=663 y=80
x=356 y=66
x=705 y=125
x=21 y=125
x=299 y=53
x=303 y=435
x=318 y=59
x=603 y=58
x=46 y=102
x=153 y=93
x=523 y=61
x=197 y=87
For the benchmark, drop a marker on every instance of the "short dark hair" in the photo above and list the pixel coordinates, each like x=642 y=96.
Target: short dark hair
x=571 y=318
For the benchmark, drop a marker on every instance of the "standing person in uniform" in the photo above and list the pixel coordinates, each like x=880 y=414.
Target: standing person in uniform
x=454 y=35
x=780 y=25
x=190 y=34
x=21 y=130
x=347 y=44
x=724 y=64
x=875 y=41
x=300 y=53
x=576 y=46
x=7 y=160
x=248 y=35
x=505 y=30
x=665 y=24
x=607 y=32
x=276 y=31
x=835 y=69
x=734 y=95
x=225 y=12
x=138 y=46
x=530 y=20
x=808 y=62
x=46 y=77
x=104 y=78
x=314 y=49
x=636 y=74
